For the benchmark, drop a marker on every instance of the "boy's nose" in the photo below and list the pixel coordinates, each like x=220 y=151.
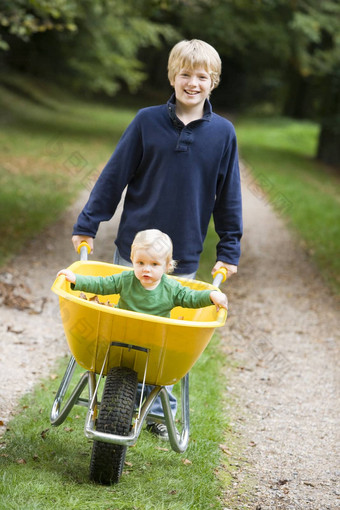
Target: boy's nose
x=193 y=80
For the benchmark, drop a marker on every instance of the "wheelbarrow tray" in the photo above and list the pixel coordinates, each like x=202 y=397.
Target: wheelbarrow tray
x=173 y=344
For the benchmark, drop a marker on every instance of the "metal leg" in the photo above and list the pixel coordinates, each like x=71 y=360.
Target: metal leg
x=180 y=444
x=59 y=415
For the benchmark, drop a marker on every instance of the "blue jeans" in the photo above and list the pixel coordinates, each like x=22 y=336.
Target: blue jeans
x=156 y=408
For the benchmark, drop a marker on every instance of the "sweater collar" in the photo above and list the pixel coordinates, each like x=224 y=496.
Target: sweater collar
x=171 y=104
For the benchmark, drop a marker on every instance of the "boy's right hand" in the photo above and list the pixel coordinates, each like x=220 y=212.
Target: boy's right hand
x=76 y=240
x=69 y=275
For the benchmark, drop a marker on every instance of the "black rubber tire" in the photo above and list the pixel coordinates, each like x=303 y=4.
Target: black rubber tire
x=115 y=417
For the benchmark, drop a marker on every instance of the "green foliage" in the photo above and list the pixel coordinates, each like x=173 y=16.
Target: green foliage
x=23 y=18
x=105 y=51
x=315 y=29
x=95 y=44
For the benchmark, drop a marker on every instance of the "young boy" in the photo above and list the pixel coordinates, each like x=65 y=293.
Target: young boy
x=179 y=165
x=147 y=289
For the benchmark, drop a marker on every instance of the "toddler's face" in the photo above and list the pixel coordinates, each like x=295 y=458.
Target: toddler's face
x=149 y=266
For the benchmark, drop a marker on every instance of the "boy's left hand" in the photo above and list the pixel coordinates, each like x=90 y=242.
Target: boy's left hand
x=230 y=268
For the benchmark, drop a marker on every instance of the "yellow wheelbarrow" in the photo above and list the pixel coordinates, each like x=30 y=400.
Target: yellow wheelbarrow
x=127 y=348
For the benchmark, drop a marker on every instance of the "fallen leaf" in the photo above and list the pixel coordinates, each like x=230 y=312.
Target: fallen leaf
x=161 y=449
x=68 y=429
x=15 y=330
x=128 y=463
x=186 y=462
x=173 y=492
x=43 y=434
x=53 y=377
x=21 y=461
x=309 y=484
x=225 y=449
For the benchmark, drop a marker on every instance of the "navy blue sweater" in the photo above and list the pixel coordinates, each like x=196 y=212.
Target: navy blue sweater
x=176 y=176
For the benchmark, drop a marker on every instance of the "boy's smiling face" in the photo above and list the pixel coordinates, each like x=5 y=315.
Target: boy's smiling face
x=192 y=87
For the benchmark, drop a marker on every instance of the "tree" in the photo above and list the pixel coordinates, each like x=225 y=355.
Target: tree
x=92 y=44
x=317 y=51
x=22 y=19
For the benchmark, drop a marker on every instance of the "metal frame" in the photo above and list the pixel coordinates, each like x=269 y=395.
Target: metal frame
x=58 y=414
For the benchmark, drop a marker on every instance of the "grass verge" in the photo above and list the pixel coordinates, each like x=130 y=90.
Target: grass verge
x=51 y=146
x=45 y=468
x=279 y=153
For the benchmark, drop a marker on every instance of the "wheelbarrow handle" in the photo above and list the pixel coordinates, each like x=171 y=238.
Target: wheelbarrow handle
x=220 y=276
x=84 y=249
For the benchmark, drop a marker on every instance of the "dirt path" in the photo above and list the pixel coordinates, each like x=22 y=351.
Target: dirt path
x=282 y=340
x=281 y=346
x=31 y=333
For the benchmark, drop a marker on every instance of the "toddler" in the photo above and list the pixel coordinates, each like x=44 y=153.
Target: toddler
x=147 y=288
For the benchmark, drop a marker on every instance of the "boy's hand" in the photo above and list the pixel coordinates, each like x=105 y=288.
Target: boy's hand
x=219 y=299
x=69 y=275
x=76 y=240
x=230 y=268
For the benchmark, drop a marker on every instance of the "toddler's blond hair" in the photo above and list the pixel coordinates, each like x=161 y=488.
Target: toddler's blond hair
x=193 y=54
x=159 y=242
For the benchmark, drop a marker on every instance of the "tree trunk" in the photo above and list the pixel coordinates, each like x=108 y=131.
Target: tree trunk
x=329 y=146
x=329 y=139
x=296 y=102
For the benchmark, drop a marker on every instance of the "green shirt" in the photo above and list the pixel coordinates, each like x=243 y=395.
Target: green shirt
x=133 y=296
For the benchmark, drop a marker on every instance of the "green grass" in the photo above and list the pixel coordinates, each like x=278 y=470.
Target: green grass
x=280 y=154
x=51 y=147
x=44 y=467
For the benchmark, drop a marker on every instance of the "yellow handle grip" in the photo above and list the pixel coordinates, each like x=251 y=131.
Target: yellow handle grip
x=84 y=243
x=222 y=271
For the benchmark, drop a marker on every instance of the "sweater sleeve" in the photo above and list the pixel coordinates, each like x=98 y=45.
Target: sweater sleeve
x=228 y=207
x=98 y=284
x=190 y=298
x=109 y=187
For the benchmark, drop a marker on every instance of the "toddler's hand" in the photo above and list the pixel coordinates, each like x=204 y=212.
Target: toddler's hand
x=69 y=275
x=219 y=299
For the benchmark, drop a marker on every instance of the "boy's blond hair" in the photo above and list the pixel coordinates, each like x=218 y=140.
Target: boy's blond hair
x=157 y=241
x=193 y=54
